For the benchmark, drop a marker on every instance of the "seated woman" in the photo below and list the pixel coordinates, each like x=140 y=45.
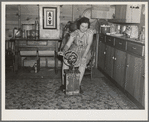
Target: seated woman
x=80 y=42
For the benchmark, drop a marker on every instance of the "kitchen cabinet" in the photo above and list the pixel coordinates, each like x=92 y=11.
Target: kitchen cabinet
x=119 y=67
x=109 y=56
x=119 y=61
x=102 y=11
x=109 y=60
x=142 y=89
x=127 y=13
x=123 y=61
x=115 y=59
x=134 y=83
x=101 y=52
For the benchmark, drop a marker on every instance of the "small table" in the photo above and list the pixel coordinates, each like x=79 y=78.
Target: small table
x=40 y=44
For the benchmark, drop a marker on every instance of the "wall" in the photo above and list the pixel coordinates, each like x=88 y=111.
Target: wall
x=29 y=13
x=11 y=20
x=142 y=22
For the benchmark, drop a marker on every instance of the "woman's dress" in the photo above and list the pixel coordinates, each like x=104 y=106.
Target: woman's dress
x=79 y=46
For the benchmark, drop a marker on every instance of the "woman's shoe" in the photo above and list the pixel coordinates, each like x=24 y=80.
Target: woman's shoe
x=81 y=91
x=61 y=88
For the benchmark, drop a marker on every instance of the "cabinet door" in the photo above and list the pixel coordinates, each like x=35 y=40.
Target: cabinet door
x=142 y=86
x=101 y=55
x=133 y=83
x=128 y=13
x=120 y=12
x=109 y=60
x=136 y=14
x=119 y=67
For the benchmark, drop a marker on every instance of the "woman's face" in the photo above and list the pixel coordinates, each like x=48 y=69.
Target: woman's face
x=83 y=27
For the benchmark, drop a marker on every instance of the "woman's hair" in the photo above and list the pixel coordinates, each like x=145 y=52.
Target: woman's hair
x=83 y=20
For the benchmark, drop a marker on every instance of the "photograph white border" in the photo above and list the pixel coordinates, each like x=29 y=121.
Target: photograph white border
x=51 y=115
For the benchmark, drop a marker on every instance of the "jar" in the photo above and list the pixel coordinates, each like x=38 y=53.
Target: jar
x=142 y=34
x=123 y=28
x=105 y=29
x=118 y=28
x=23 y=34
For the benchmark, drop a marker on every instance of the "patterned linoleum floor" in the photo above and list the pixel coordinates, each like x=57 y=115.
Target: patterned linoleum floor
x=40 y=93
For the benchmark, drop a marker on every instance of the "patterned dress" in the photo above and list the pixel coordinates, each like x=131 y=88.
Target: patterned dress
x=79 y=46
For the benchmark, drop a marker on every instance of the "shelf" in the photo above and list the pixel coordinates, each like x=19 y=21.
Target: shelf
x=21 y=39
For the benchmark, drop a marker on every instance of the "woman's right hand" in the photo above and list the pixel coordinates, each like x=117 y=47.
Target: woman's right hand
x=61 y=53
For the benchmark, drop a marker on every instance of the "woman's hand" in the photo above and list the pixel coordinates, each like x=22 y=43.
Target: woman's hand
x=61 y=53
x=83 y=60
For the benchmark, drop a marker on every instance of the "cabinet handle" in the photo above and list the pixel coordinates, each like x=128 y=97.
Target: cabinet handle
x=127 y=65
x=120 y=43
x=113 y=57
x=134 y=48
x=104 y=53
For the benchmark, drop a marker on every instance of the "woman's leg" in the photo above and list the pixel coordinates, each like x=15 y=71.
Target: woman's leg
x=63 y=67
x=82 y=70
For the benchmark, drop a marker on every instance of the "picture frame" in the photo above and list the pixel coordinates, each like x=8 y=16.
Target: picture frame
x=49 y=18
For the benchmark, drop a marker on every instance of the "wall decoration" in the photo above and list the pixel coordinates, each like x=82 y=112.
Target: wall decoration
x=49 y=18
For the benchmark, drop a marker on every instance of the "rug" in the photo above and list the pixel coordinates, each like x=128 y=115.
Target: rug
x=41 y=94
x=27 y=72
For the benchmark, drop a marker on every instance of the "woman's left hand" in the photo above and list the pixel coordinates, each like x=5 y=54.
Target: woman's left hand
x=60 y=53
x=83 y=61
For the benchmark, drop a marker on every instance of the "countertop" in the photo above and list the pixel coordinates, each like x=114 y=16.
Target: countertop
x=23 y=39
x=126 y=38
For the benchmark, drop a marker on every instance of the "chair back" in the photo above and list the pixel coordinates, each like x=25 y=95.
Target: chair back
x=93 y=46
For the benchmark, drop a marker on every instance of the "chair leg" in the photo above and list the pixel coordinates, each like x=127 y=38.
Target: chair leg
x=91 y=73
x=56 y=63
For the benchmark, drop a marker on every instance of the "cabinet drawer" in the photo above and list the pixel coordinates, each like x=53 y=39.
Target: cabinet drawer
x=109 y=41
x=135 y=48
x=120 y=44
x=102 y=38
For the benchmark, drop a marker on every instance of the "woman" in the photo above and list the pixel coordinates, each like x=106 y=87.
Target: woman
x=80 y=42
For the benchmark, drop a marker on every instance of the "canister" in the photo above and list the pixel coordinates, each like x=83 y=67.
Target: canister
x=123 y=28
x=14 y=32
x=105 y=29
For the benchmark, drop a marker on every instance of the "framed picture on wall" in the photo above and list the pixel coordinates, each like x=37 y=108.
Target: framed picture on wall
x=49 y=18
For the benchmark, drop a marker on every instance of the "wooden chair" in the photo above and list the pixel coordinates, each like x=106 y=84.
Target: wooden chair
x=90 y=65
